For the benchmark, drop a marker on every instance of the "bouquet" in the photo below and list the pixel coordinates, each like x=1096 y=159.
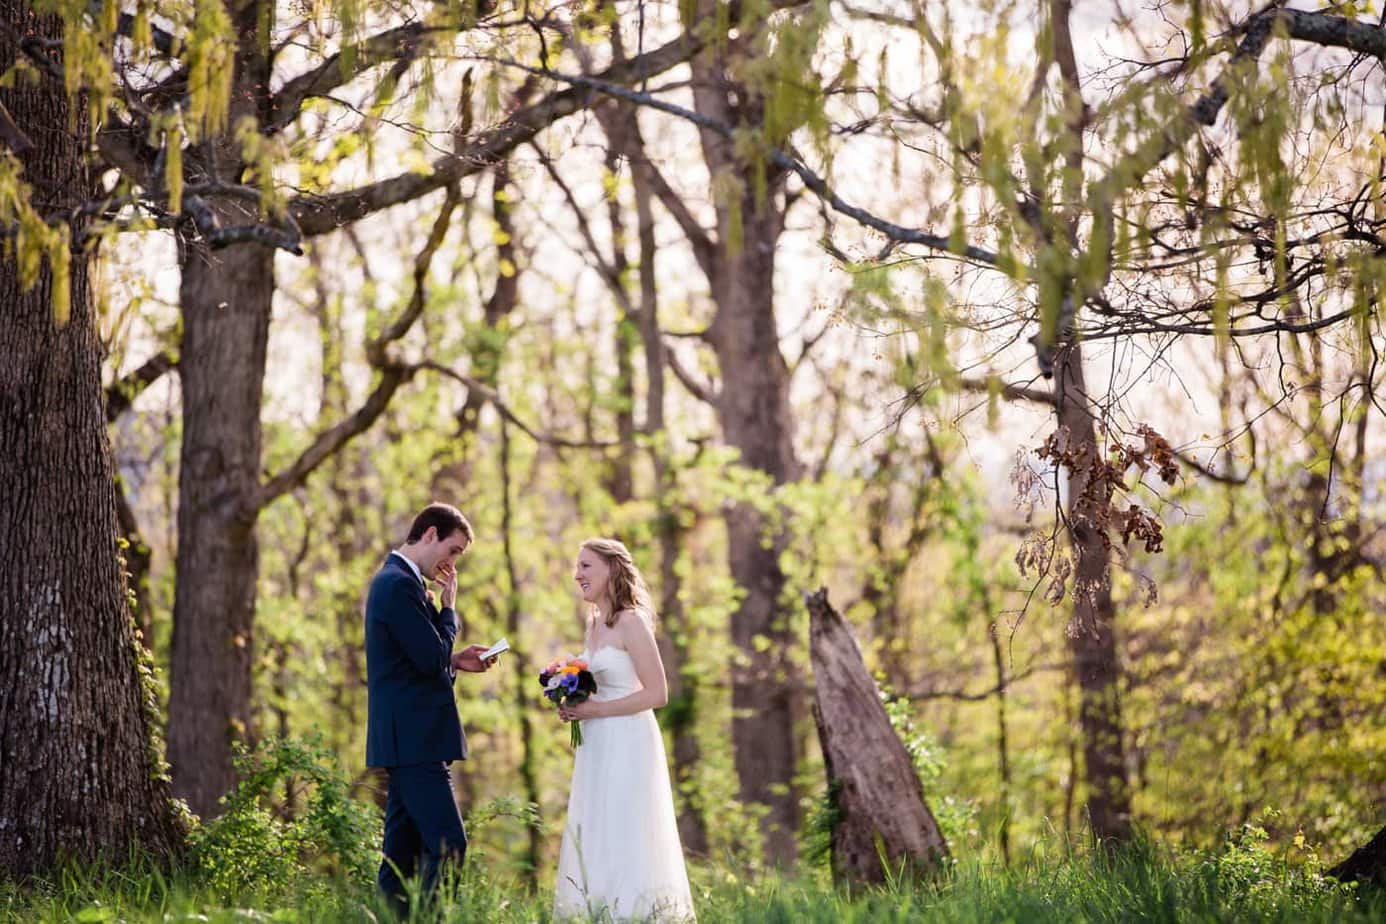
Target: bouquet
x=567 y=682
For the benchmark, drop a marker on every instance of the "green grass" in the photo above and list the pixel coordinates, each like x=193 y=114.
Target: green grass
x=1245 y=882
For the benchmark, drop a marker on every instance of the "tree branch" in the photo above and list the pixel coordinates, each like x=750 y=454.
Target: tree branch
x=11 y=135
x=205 y=220
x=815 y=183
x=703 y=392
x=123 y=393
x=164 y=41
x=1008 y=390
x=124 y=147
x=493 y=398
x=967 y=696
x=392 y=374
x=609 y=273
x=704 y=250
x=1319 y=28
x=321 y=214
x=400 y=44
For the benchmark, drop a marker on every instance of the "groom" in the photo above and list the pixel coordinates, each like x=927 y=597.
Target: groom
x=412 y=727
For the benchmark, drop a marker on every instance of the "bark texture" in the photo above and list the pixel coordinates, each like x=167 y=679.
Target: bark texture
x=1092 y=636
x=226 y=298
x=754 y=413
x=80 y=776
x=879 y=802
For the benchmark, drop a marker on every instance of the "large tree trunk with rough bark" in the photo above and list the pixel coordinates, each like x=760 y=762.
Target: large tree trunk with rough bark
x=882 y=823
x=1092 y=635
x=80 y=775
x=754 y=412
x=226 y=297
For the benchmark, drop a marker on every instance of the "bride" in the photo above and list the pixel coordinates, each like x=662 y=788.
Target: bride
x=621 y=858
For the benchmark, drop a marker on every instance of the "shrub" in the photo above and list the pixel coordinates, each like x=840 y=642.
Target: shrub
x=290 y=816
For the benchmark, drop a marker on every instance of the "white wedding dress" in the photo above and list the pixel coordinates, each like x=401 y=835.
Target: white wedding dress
x=621 y=859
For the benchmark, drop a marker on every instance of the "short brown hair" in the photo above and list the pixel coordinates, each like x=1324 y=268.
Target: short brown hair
x=444 y=518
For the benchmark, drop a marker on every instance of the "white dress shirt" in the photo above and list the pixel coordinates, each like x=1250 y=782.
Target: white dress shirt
x=412 y=567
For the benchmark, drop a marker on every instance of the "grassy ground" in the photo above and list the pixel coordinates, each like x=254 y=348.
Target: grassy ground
x=1238 y=884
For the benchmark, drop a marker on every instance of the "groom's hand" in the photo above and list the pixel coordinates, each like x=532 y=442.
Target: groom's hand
x=469 y=660
x=447 y=580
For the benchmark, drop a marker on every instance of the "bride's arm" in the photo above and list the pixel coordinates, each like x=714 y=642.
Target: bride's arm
x=637 y=635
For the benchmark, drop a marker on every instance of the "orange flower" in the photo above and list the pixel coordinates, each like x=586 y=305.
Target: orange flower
x=579 y=664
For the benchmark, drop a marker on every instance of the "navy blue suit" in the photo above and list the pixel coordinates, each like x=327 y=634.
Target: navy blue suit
x=412 y=727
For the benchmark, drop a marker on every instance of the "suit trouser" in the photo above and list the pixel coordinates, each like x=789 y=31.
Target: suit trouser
x=422 y=826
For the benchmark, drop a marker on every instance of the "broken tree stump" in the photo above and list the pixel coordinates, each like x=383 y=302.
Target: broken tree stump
x=1367 y=864
x=883 y=825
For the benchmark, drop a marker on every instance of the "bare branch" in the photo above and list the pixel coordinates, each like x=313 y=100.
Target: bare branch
x=704 y=392
x=205 y=220
x=493 y=398
x=392 y=374
x=321 y=214
x=1318 y=28
x=704 y=249
x=123 y=393
x=808 y=345
x=609 y=273
x=164 y=41
x=11 y=135
x=1209 y=473
x=815 y=183
x=1008 y=390
x=978 y=696
x=333 y=439
x=400 y=44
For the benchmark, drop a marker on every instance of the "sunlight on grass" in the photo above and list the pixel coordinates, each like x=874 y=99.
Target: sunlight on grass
x=1241 y=883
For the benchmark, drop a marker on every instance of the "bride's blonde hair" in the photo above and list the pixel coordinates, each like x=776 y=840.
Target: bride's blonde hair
x=626 y=585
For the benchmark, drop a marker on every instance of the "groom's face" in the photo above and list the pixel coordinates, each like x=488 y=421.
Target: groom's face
x=439 y=555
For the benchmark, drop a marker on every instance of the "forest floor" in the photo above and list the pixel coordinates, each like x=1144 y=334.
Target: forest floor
x=1240 y=883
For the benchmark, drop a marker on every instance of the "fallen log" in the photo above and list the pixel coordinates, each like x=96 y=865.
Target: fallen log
x=883 y=827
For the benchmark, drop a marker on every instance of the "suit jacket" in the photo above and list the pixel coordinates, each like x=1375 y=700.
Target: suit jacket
x=411 y=715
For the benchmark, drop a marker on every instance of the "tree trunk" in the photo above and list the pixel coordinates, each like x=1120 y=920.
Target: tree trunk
x=80 y=774
x=226 y=295
x=1003 y=754
x=522 y=676
x=1092 y=638
x=890 y=631
x=681 y=715
x=1367 y=863
x=881 y=814
x=453 y=476
x=754 y=412
x=621 y=477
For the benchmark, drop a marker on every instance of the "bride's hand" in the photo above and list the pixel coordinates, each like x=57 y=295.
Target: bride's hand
x=587 y=710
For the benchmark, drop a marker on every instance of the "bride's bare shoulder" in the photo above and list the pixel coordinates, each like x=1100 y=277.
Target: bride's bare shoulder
x=632 y=619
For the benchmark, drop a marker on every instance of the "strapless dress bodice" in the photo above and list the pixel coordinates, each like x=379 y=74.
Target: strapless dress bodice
x=614 y=671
